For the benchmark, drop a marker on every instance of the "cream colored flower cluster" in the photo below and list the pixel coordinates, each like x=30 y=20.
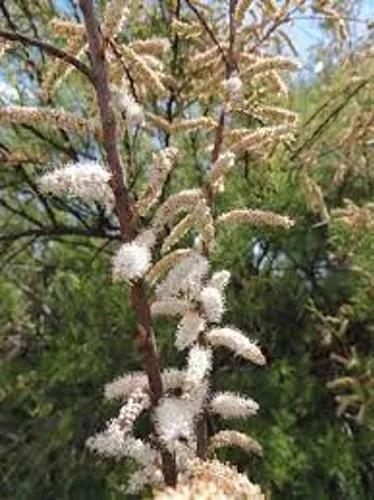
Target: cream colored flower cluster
x=212 y=480
x=86 y=179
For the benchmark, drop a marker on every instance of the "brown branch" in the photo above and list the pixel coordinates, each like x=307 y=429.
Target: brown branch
x=230 y=66
x=208 y=29
x=58 y=231
x=145 y=339
x=48 y=48
x=287 y=16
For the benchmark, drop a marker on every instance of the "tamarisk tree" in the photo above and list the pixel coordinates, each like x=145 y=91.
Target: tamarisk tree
x=217 y=80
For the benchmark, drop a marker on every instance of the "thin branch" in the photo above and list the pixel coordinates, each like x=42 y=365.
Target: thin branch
x=49 y=49
x=59 y=231
x=230 y=66
x=208 y=29
x=145 y=339
x=9 y=258
x=20 y=213
x=43 y=200
x=335 y=112
x=278 y=22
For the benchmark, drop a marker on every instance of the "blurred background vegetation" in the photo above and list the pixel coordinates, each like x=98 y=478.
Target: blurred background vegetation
x=307 y=295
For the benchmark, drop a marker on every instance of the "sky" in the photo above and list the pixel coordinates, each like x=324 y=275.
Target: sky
x=307 y=33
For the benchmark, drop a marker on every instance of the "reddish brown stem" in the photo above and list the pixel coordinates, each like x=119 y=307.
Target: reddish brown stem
x=145 y=339
x=48 y=48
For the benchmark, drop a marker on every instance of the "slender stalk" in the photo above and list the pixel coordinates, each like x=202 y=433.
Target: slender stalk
x=48 y=48
x=145 y=339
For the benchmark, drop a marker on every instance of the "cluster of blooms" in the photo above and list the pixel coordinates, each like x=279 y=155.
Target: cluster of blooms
x=142 y=70
x=235 y=438
x=233 y=86
x=220 y=168
x=193 y=125
x=134 y=112
x=314 y=197
x=256 y=139
x=162 y=164
x=354 y=216
x=228 y=405
x=256 y=218
x=133 y=259
x=153 y=46
x=115 y=16
x=50 y=116
x=186 y=392
x=211 y=480
x=86 y=179
x=271 y=114
x=67 y=29
x=192 y=202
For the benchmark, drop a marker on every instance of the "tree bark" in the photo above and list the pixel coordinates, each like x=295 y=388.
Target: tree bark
x=145 y=339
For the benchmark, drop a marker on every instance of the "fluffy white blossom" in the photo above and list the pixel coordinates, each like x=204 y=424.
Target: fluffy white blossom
x=236 y=341
x=185 y=279
x=109 y=443
x=174 y=419
x=235 y=438
x=133 y=111
x=220 y=280
x=115 y=440
x=207 y=479
x=170 y=307
x=213 y=304
x=173 y=378
x=233 y=86
x=131 y=262
x=138 y=401
x=189 y=328
x=198 y=367
x=146 y=238
x=141 y=452
x=185 y=452
x=86 y=179
x=114 y=443
x=147 y=476
x=230 y=405
x=122 y=387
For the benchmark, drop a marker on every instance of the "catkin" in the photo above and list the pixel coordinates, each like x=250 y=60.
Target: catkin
x=45 y=115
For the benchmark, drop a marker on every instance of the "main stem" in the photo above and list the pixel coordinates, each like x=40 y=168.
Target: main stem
x=145 y=339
